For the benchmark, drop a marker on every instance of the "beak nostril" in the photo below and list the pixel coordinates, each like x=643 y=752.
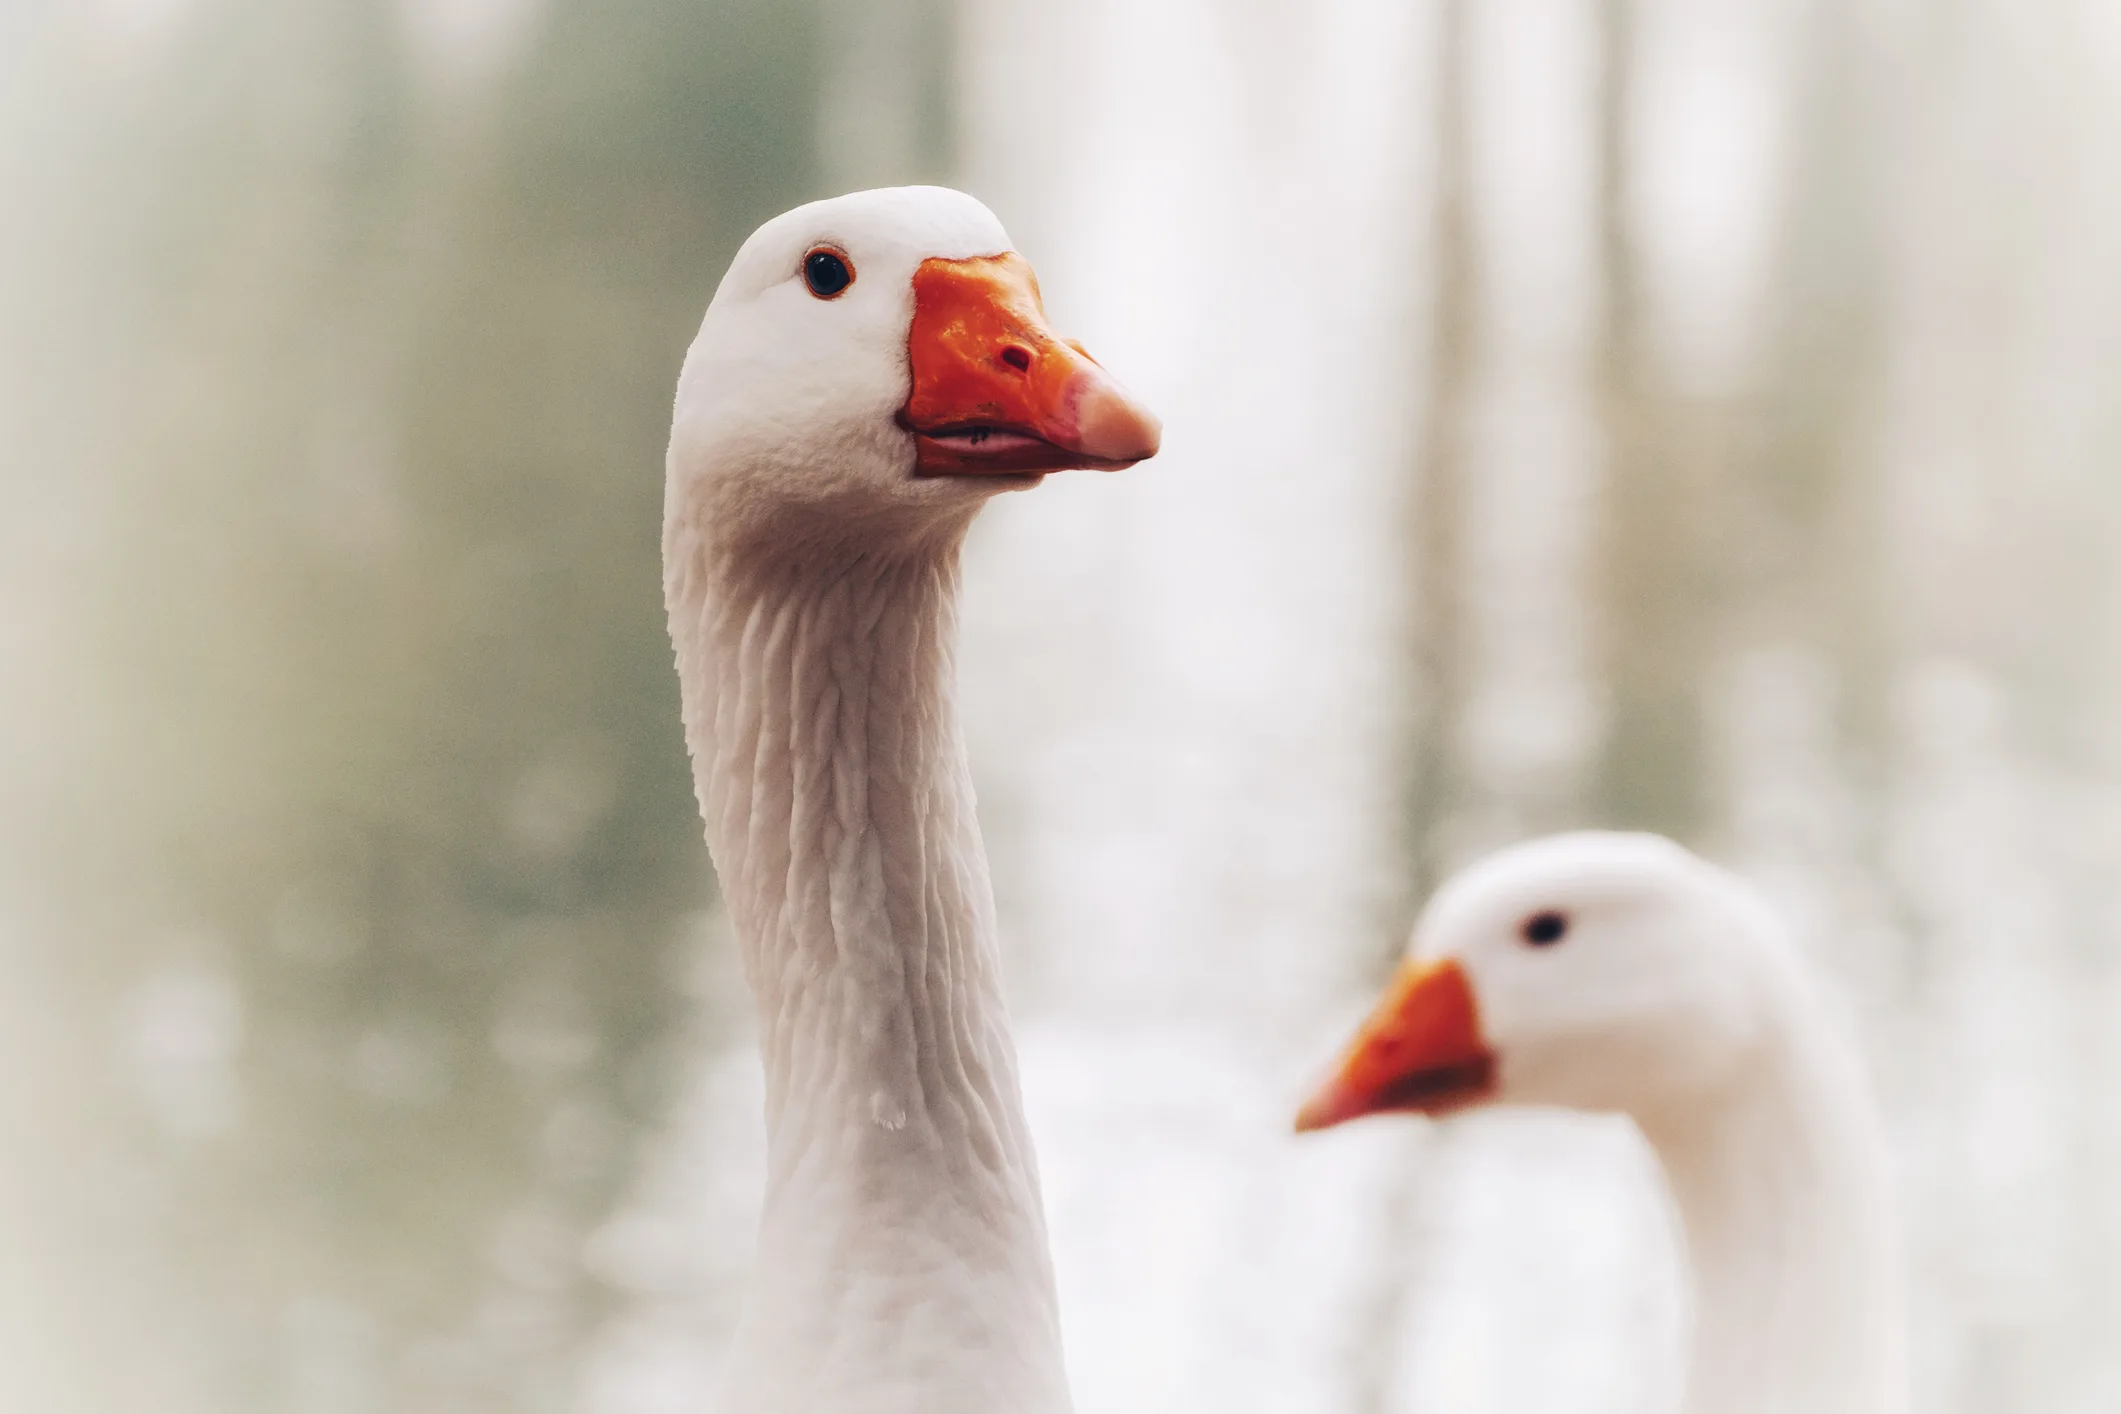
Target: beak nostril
x=1017 y=357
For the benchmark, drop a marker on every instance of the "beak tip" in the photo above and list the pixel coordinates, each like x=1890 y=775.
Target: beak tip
x=1321 y=1111
x=1114 y=427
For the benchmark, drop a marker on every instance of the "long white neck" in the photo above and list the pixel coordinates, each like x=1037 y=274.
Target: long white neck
x=1781 y=1184
x=902 y=1263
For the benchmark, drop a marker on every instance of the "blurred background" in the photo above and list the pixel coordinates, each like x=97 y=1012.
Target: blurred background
x=1690 y=414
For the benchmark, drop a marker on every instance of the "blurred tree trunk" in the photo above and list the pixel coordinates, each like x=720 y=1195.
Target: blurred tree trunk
x=1657 y=610
x=885 y=107
x=1438 y=785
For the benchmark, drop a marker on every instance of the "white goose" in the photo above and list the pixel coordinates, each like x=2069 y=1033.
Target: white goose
x=1619 y=972
x=871 y=370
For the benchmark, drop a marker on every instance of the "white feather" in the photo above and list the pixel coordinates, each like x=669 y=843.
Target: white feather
x=811 y=582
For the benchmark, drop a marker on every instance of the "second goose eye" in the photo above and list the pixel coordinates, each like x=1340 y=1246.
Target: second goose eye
x=827 y=273
x=1545 y=928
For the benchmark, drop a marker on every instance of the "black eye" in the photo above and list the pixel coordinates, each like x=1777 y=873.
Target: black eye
x=1545 y=928
x=826 y=273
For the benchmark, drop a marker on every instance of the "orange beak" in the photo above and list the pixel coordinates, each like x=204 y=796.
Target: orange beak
x=1420 y=1051
x=996 y=391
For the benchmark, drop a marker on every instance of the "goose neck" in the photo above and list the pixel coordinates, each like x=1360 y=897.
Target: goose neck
x=1780 y=1181
x=902 y=1261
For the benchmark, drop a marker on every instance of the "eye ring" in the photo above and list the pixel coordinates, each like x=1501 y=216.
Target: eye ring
x=827 y=273
x=1545 y=928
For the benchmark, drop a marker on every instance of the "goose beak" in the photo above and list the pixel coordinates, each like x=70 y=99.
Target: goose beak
x=996 y=391
x=1420 y=1050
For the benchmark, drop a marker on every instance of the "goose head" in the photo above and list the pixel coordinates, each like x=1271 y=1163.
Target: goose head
x=883 y=359
x=1613 y=972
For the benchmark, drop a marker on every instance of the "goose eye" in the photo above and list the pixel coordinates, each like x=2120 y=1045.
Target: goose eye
x=1545 y=928
x=827 y=273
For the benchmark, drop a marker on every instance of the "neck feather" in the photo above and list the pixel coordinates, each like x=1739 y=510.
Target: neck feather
x=902 y=1261
x=1781 y=1184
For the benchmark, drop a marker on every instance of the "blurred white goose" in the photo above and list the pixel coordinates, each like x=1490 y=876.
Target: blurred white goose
x=871 y=370
x=1619 y=972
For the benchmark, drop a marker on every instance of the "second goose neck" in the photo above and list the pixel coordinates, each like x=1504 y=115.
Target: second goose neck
x=1782 y=1188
